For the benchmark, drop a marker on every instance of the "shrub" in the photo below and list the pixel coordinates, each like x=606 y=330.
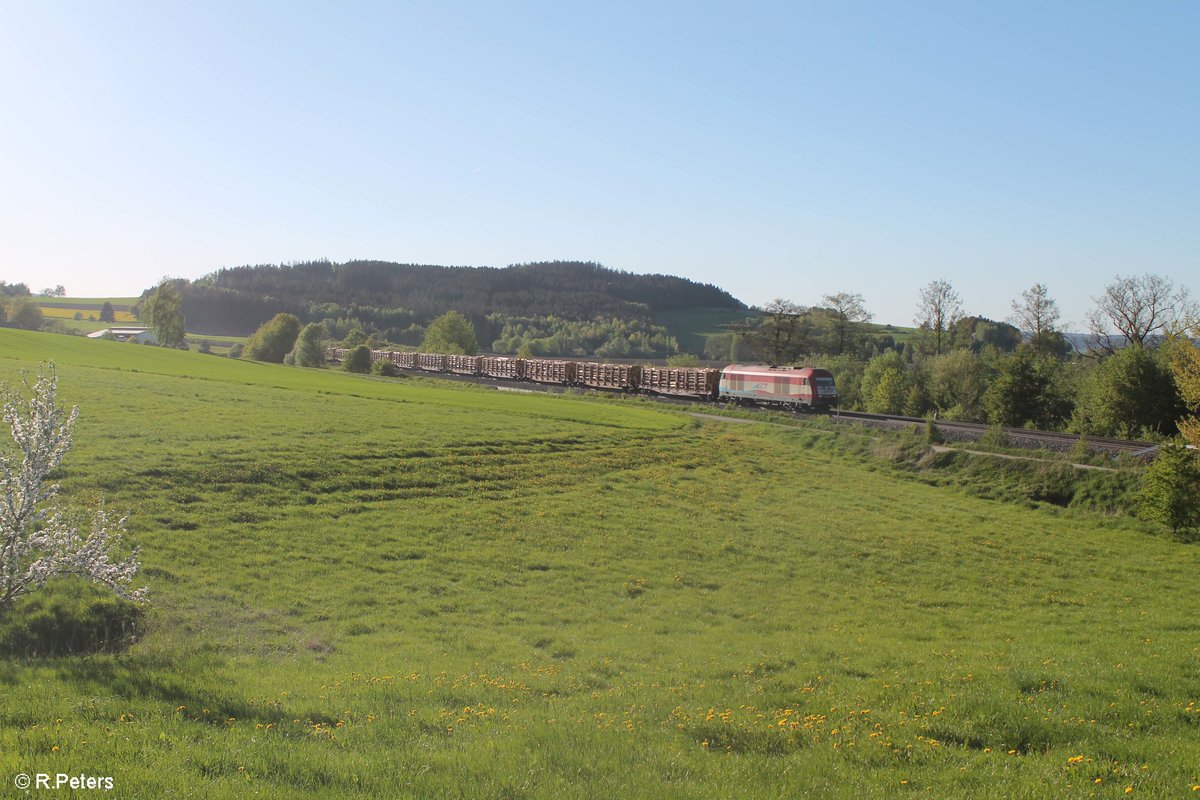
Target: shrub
x=358 y=359
x=1170 y=489
x=385 y=368
x=1081 y=451
x=932 y=434
x=995 y=436
x=236 y=350
x=310 y=350
x=274 y=339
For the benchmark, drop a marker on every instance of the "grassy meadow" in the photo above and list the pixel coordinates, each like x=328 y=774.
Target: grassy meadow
x=406 y=588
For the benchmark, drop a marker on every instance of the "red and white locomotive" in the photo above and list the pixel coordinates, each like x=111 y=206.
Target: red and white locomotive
x=790 y=387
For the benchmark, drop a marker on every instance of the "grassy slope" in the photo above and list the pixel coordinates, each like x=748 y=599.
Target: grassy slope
x=693 y=326
x=371 y=588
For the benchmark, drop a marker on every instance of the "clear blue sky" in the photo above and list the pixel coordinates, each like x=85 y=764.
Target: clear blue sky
x=778 y=149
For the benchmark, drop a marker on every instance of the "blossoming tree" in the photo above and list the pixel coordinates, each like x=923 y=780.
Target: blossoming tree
x=38 y=538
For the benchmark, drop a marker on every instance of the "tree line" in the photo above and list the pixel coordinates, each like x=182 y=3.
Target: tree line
x=1019 y=372
x=392 y=298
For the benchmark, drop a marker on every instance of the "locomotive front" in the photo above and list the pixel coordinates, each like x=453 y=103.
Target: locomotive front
x=798 y=388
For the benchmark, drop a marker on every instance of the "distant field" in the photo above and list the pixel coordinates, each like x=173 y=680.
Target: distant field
x=900 y=334
x=89 y=303
x=88 y=315
x=64 y=309
x=215 y=337
x=405 y=588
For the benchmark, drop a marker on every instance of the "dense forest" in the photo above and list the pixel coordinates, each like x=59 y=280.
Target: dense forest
x=396 y=300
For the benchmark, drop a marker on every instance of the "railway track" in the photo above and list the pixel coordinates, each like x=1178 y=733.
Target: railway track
x=1018 y=437
x=950 y=431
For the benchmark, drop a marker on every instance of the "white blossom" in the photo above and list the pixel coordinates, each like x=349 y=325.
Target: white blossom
x=38 y=538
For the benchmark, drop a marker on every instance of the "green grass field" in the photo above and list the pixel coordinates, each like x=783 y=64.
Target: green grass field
x=402 y=588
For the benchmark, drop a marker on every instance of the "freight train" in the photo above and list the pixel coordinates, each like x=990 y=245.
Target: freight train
x=798 y=388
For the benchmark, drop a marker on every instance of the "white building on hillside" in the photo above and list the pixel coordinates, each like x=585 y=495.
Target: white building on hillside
x=139 y=335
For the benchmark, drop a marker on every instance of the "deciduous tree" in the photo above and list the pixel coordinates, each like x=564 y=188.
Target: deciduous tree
x=274 y=339
x=847 y=309
x=780 y=335
x=938 y=310
x=1140 y=310
x=1169 y=488
x=40 y=539
x=162 y=311
x=1185 y=365
x=1028 y=392
x=1037 y=314
x=24 y=312
x=310 y=346
x=958 y=381
x=451 y=333
x=1130 y=393
x=14 y=289
x=885 y=384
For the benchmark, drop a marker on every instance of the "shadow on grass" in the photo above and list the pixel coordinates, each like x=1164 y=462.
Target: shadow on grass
x=158 y=679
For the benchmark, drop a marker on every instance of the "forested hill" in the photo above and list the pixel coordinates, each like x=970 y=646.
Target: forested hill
x=237 y=300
